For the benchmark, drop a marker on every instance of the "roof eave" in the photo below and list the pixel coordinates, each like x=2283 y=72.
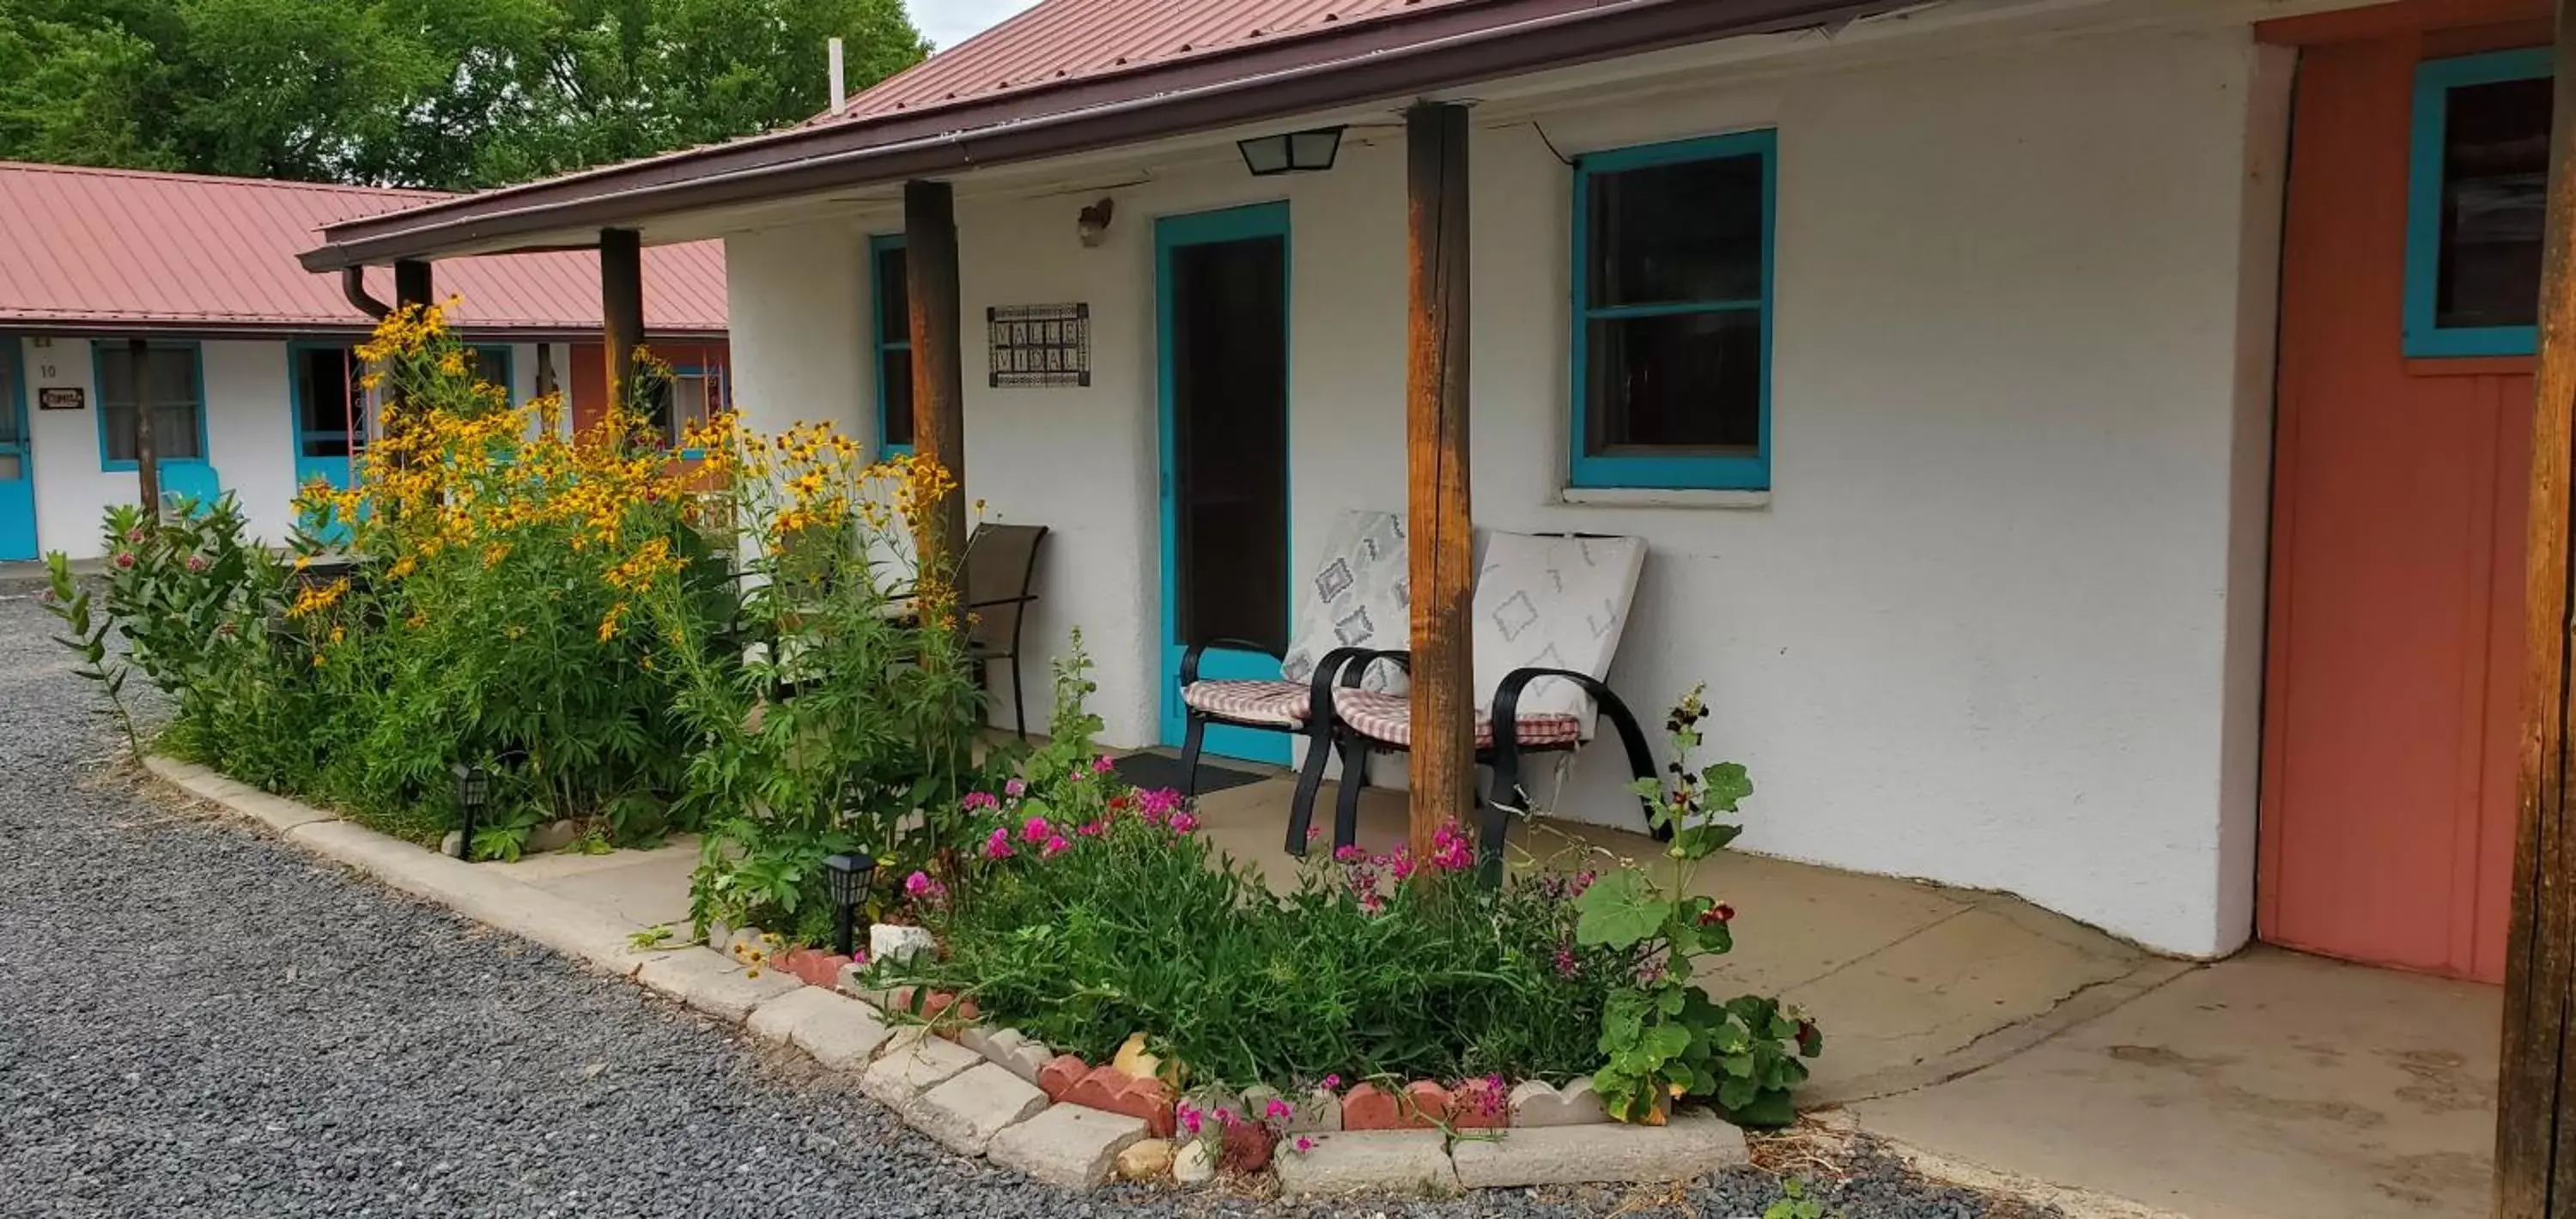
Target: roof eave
x=1184 y=98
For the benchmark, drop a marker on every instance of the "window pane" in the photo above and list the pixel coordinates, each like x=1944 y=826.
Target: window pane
x=2495 y=183
x=894 y=300
x=1685 y=232
x=174 y=431
x=1689 y=382
x=322 y=406
x=897 y=379
x=116 y=377
x=119 y=420
x=492 y=366
x=168 y=388
x=173 y=374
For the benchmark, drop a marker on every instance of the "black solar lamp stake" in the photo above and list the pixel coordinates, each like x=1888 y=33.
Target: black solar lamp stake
x=473 y=792
x=848 y=875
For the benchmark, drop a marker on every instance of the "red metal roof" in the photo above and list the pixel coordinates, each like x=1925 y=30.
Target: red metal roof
x=93 y=248
x=1066 y=40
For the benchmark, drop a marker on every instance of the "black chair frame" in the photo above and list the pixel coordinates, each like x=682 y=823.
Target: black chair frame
x=1318 y=728
x=1503 y=796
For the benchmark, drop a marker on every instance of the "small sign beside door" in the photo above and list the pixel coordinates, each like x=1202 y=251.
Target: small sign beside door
x=62 y=398
x=1039 y=344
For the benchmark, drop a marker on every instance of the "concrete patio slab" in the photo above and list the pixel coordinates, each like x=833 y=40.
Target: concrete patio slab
x=2269 y=1086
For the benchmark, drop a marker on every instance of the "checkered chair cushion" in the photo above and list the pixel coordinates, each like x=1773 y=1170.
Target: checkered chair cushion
x=1388 y=718
x=1281 y=704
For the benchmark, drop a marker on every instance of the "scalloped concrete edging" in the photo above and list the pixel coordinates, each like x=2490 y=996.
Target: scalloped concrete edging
x=980 y=1094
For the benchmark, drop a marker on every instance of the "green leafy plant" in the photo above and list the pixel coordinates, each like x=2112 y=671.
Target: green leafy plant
x=1663 y=1036
x=1793 y=1203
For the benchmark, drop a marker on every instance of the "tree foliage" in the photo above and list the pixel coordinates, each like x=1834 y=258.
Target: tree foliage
x=452 y=94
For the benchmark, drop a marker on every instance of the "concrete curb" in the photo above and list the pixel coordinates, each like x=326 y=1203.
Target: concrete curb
x=972 y=1097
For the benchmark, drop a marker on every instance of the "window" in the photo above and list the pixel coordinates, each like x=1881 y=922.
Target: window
x=165 y=382
x=686 y=399
x=492 y=366
x=893 y=343
x=1672 y=315
x=2477 y=196
x=330 y=406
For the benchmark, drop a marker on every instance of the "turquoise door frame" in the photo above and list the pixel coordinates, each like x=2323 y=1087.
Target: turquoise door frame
x=1171 y=233
x=333 y=469
x=17 y=456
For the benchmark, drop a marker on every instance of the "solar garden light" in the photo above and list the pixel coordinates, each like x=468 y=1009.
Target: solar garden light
x=848 y=875
x=473 y=792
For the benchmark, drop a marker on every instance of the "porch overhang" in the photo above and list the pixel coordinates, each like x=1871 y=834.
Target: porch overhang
x=1394 y=59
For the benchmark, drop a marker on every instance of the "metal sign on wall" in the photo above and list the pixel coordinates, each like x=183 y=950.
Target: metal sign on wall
x=1039 y=345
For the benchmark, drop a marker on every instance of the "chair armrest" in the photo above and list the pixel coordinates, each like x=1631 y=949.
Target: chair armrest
x=1019 y=600
x=1190 y=658
x=1507 y=745
x=1344 y=667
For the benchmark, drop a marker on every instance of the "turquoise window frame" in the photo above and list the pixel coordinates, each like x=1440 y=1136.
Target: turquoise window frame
x=712 y=373
x=878 y=345
x=509 y=367
x=1680 y=472
x=2434 y=81
x=98 y=379
x=295 y=352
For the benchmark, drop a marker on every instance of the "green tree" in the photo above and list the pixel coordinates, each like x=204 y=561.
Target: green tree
x=453 y=94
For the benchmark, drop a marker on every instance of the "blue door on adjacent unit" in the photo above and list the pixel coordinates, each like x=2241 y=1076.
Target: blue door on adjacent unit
x=17 y=462
x=1221 y=315
x=330 y=412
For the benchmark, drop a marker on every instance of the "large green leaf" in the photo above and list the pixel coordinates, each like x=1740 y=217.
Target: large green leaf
x=1620 y=910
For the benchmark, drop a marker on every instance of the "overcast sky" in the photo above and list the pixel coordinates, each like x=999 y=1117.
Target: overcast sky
x=949 y=22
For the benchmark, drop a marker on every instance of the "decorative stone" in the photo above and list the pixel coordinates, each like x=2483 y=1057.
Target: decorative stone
x=1370 y=1107
x=1246 y=1147
x=842 y=1035
x=1539 y=1104
x=1071 y=1146
x=1195 y=1162
x=553 y=836
x=1144 y=1160
x=1214 y=1106
x=812 y=966
x=1132 y=1059
x=852 y=981
x=1694 y=1144
x=1107 y=1089
x=913 y=1062
x=1009 y=1047
x=776 y=1019
x=1060 y=1074
x=964 y=1113
x=710 y=983
x=896 y=942
x=453 y=844
x=1316 y=1111
x=1411 y=1162
x=1479 y=1105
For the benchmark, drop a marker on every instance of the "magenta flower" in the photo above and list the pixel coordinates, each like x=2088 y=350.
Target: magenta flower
x=1157 y=804
x=1092 y=829
x=1450 y=850
x=1189 y=1118
x=1400 y=864
x=1277 y=1110
x=1055 y=845
x=1350 y=854
x=1332 y=1083
x=918 y=883
x=1015 y=789
x=1035 y=830
x=1100 y=764
x=1565 y=962
x=1183 y=823
x=999 y=845
x=125 y=558
x=1304 y=1144
x=981 y=800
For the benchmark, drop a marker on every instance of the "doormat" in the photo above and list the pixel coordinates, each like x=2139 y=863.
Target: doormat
x=1151 y=770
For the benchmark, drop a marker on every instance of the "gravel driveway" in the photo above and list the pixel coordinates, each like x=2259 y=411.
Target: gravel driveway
x=196 y=1020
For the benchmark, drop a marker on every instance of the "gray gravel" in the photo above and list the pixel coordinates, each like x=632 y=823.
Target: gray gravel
x=196 y=1020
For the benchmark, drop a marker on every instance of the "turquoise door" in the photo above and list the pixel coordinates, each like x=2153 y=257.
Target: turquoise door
x=1221 y=317
x=17 y=463
x=330 y=418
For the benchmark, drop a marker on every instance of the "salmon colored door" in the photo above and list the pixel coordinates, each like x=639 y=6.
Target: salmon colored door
x=2400 y=458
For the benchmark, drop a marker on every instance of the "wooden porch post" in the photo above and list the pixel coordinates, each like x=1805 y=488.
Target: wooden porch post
x=1441 y=550
x=621 y=306
x=147 y=452
x=938 y=355
x=2535 y=1160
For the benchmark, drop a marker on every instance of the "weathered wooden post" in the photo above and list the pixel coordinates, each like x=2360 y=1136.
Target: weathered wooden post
x=938 y=354
x=2535 y=1106
x=621 y=306
x=147 y=451
x=1441 y=560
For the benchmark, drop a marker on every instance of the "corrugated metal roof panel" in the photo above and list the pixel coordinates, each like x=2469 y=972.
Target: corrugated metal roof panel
x=1061 y=40
x=112 y=245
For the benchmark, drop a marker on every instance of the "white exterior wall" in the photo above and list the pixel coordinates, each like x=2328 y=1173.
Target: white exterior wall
x=1998 y=623
x=250 y=437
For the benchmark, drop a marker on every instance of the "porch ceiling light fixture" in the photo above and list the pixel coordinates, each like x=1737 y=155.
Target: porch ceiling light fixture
x=1294 y=152
x=848 y=878
x=473 y=792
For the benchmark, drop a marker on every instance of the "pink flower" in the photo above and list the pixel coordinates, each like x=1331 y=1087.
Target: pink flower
x=1304 y=1144
x=198 y=563
x=1371 y=903
x=1189 y=1118
x=1092 y=829
x=1157 y=804
x=1331 y=1083
x=1277 y=1110
x=1400 y=864
x=1565 y=962
x=1450 y=850
x=1183 y=823
x=1314 y=832
x=135 y=536
x=1225 y=1117
x=1100 y=764
x=1055 y=845
x=918 y=883
x=125 y=558
x=999 y=845
x=1035 y=830
x=980 y=800
x=1015 y=789
x=1350 y=854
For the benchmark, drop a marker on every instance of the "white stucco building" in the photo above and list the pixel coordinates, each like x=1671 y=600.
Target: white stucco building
x=1973 y=555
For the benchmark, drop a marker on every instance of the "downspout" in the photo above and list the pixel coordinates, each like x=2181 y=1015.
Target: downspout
x=353 y=284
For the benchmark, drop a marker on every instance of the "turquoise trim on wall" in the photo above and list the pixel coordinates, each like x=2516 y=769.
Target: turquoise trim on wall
x=17 y=495
x=1171 y=232
x=1678 y=471
x=509 y=368
x=333 y=470
x=878 y=344
x=2434 y=80
x=98 y=349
